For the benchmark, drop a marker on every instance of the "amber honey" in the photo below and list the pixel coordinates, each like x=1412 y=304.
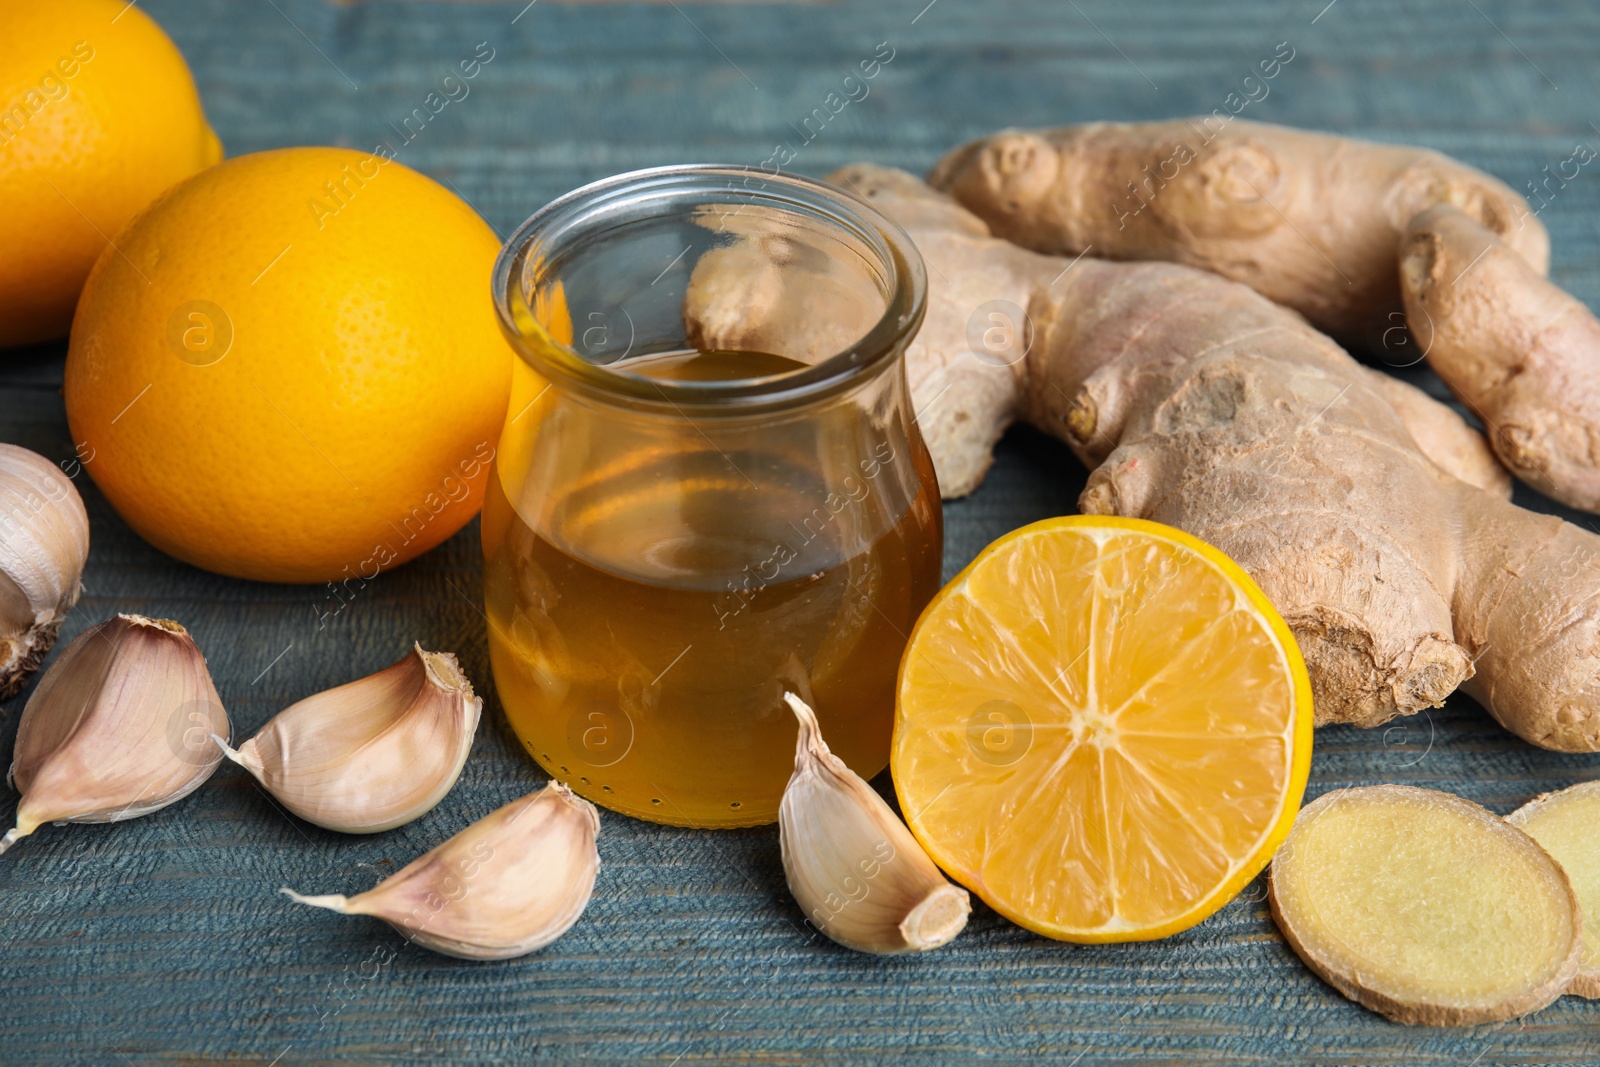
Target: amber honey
x=644 y=625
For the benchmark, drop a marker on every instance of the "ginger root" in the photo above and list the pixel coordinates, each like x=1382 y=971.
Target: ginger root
x=1520 y=353
x=1425 y=907
x=1378 y=529
x=1340 y=230
x=1567 y=825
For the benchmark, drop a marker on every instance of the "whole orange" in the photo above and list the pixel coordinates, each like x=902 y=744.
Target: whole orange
x=290 y=368
x=98 y=114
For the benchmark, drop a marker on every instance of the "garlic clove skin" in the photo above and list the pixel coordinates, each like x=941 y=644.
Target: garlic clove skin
x=852 y=865
x=371 y=754
x=44 y=541
x=510 y=883
x=119 y=726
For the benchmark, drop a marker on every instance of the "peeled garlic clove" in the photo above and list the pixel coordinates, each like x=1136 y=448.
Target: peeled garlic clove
x=512 y=882
x=44 y=540
x=371 y=754
x=119 y=726
x=852 y=865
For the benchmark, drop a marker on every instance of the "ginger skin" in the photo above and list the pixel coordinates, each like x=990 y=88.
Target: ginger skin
x=1200 y=404
x=1308 y=220
x=1524 y=355
x=1340 y=230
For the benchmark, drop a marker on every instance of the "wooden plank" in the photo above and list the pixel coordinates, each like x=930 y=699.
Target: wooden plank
x=164 y=941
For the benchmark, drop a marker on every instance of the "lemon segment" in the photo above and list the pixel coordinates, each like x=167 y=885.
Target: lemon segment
x=1103 y=729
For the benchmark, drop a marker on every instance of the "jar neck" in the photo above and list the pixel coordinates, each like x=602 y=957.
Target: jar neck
x=879 y=386
x=781 y=265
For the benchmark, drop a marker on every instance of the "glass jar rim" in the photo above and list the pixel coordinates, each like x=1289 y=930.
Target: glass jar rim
x=905 y=276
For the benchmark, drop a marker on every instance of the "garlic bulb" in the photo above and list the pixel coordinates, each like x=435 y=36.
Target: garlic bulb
x=44 y=540
x=119 y=726
x=852 y=865
x=512 y=882
x=371 y=754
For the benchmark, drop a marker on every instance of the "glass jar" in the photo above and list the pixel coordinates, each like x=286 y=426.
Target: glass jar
x=710 y=488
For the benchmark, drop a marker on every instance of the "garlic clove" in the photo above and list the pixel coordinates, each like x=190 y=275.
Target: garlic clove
x=510 y=883
x=44 y=541
x=852 y=865
x=119 y=726
x=371 y=754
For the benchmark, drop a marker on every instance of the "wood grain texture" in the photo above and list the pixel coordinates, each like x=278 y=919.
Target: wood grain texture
x=163 y=940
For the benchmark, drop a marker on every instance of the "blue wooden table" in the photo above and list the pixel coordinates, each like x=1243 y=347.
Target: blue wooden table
x=164 y=941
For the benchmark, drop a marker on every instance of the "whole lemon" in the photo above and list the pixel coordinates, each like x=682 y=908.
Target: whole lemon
x=98 y=114
x=290 y=368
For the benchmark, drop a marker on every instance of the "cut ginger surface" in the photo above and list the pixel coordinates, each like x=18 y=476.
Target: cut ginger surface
x=1103 y=729
x=1567 y=825
x=1425 y=907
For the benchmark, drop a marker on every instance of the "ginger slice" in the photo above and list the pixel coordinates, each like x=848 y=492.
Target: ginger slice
x=1567 y=824
x=1425 y=907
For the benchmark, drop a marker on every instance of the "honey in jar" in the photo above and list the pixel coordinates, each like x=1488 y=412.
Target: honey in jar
x=674 y=535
